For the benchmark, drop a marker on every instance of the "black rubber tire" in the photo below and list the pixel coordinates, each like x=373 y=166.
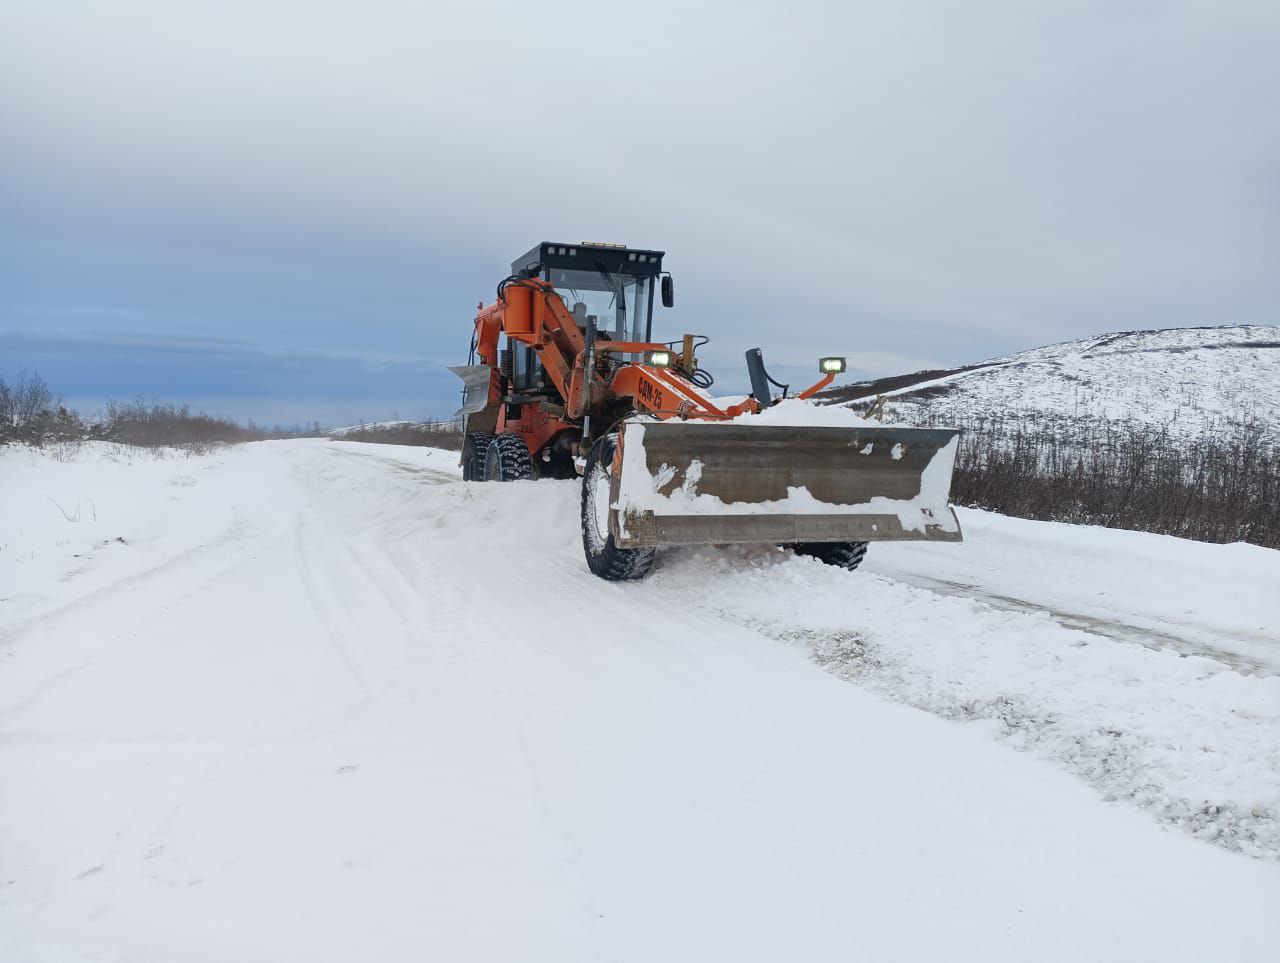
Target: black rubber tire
x=474 y=447
x=846 y=555
x=507 y=459
x=604 y=558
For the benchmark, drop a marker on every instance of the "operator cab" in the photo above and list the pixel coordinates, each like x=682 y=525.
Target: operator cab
x=609 y=283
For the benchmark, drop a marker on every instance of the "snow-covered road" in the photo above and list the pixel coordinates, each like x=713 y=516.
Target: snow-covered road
x=321 y=701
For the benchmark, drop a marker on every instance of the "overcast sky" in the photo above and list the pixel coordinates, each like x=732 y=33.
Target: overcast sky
x=289 y=210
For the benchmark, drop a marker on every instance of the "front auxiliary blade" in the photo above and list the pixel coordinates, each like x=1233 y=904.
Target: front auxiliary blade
x=476 y=379
x=687 y=483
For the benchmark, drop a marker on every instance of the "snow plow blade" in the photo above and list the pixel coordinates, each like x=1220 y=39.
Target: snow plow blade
x=683 y=483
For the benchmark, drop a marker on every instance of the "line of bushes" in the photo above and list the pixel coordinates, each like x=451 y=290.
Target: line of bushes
x=431 y=434
x=1223 y=486
x=32 y=413
x=156 y=425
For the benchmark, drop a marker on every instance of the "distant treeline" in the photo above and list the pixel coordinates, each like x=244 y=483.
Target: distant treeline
x=1221 y=487
x=430 y=433
x=31 y=413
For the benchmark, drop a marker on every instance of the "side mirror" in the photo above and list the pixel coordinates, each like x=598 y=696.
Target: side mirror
x=668 y=292
x=532 y=270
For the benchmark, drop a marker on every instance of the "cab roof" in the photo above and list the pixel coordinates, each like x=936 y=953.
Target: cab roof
x=589 y=256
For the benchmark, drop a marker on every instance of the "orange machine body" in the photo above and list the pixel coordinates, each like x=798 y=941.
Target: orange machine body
x=590 y=378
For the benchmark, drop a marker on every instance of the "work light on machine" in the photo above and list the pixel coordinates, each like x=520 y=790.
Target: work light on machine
x=660 y=359
x=831 y=365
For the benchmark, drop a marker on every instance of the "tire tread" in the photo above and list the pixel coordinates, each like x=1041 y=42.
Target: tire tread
x=845 y=555
x=611 y=563
x=474 y=447
x=507 y=459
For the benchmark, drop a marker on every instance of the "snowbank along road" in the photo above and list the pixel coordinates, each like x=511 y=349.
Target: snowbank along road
x=322 y=701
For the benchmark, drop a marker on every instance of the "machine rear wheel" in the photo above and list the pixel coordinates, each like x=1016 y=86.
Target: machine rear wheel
x=605 y=558
x=474 y=447
x=846 y=555
x=507 y=459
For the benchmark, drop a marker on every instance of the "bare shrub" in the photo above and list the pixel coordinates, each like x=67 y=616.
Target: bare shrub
x=32 y=414
x=33 y=399
x=1223 y=486
x=155 y=425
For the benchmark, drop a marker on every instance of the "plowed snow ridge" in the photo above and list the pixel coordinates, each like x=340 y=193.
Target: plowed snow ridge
x=322 y=701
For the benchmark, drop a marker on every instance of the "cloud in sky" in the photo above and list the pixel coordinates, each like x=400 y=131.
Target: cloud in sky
x=235 y=378
x=909 y=183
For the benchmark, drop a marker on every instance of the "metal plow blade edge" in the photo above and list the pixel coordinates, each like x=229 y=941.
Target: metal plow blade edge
x=682 y=483
x=475 y=387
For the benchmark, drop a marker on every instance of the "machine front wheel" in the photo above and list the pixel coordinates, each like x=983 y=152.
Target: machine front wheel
x=604 y=557
x=474 y=447
x=846 y=555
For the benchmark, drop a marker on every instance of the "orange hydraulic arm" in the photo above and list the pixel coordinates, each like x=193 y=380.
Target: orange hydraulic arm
x=665 y=394
x=531 y=312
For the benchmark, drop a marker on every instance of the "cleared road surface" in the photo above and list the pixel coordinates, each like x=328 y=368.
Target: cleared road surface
x=321 y=701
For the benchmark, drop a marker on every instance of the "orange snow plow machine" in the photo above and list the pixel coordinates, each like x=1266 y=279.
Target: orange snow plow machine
x=564 y=380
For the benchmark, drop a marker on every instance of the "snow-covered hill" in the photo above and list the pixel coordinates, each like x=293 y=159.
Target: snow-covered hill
x=283 y=702
x=1188 y=380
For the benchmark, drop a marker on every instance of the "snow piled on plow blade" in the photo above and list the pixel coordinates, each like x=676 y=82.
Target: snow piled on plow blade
x=687 y=483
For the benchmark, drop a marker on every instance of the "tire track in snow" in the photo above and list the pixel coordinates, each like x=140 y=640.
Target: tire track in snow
x=1119 y=631
x=142 y=595
x=1194 y=744
x=321 y=590
x=1114 y=743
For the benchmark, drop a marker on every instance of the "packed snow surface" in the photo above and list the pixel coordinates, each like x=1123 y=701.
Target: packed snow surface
x=321 y=701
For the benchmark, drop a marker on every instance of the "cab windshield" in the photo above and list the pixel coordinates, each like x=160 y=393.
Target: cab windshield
x=620 y=303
